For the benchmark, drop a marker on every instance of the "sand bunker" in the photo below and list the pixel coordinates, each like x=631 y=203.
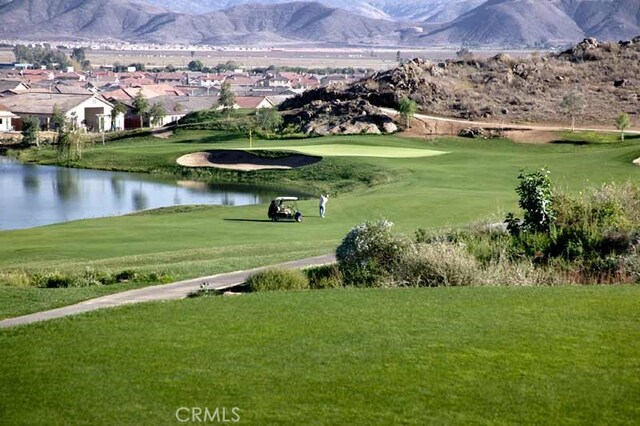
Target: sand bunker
x=245 y=161
x=637 y=162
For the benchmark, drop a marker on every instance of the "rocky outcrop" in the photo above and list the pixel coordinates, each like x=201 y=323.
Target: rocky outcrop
x=480 y=133
x=340 y=117
x=504 y=88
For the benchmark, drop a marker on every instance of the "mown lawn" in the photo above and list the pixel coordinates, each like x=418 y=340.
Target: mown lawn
x=474 y=180
x=565 y=355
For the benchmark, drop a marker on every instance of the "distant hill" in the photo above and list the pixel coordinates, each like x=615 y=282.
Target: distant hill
x=509 y=23
x=399 y=10
x=138 y=21
x=498 y=23
x=605 y=19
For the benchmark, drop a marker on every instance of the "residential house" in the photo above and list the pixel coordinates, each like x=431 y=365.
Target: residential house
x=171 y=78
x=149 y=91
x=84 y=111
x=212 y=80
x=37 y=75
x=179 y=106
x=6 y=119
x=275 y=81
x=252 y=102
x=241 y=83
x=13 y=86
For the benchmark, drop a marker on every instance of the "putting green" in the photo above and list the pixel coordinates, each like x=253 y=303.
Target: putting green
x=340 y=150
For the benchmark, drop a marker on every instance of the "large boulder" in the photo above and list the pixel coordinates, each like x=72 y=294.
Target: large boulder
x=346 y=117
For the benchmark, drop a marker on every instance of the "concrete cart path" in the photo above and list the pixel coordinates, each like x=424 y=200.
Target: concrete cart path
x=179 y=290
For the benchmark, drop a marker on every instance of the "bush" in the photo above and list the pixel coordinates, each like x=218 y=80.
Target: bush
x=125 y=276
x=523 y=273
x=54 y=280
x=15 y=279
x=278 y=280
x=369 y=253
x=88 y=278
x=438 y=264
x=324 y=277
x=535 y=199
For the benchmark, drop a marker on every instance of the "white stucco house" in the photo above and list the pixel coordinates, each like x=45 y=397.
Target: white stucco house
x=6 y=118
x=87 y=112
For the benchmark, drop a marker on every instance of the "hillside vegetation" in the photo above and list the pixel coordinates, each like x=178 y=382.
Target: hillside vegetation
x=603 y=76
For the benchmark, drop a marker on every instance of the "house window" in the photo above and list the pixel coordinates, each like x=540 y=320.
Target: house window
x=1 y=121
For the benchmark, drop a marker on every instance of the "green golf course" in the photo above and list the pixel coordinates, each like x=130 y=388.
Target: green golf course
x=561 y=355
x=472 y=181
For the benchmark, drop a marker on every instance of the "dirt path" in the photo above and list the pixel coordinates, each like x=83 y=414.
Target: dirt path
x=179 y=290
x=531 y=133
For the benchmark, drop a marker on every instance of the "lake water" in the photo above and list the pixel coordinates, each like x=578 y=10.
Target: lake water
x=32 y=195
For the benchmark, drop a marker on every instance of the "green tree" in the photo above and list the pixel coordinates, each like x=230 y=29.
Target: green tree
x=572 y=105
x=58 y=119
x=268 y=119
x=70 y=144
x=227 y=98
x=407 y=108
x=78 y=54
x=118 y=109
x=30 y=130
x=536 y=200
x=622 y=123
x=195 y=66
x=157 y=113
x=140 y=106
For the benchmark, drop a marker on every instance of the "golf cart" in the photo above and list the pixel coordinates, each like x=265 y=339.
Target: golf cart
x=285 y=208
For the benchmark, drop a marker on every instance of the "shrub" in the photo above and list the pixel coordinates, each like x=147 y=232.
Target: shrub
x=438 y=264
x=15 y=279
x=535 y=198
x=278 y=280
x=523 y=273
x=54 y=280
x=124 y=276
x=369 y=253
x=324 y=277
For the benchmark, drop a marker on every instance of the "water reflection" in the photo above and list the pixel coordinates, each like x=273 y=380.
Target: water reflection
x=40 y=195
x=66 y=183
x=118 y=187
x=140 y=200
x=31 y=183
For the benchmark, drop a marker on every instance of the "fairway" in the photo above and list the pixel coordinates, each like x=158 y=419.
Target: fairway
x=345 y=150
x=475 y=181
x=556 y=356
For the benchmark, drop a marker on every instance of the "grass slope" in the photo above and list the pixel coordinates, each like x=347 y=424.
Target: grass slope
x=424 y=356
x=476 y=179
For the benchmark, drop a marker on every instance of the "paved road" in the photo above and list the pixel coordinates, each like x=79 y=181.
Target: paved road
x=178 y=290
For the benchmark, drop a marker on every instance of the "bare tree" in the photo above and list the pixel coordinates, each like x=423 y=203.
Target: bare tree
x=622 y=123
x=572 y=105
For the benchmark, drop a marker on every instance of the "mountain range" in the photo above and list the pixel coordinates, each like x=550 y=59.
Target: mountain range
x=514 y=23
x=407 y=10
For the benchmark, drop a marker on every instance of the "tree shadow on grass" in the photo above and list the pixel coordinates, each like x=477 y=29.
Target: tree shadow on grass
x=251 y=220
x=210 y=139
x=579 y=142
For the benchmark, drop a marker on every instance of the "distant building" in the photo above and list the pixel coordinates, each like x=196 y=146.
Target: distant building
x=13 y=86
x=83 y=111
x=6 y=119
x=252 y=102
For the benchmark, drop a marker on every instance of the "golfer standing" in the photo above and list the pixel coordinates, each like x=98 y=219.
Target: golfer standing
x=323 y=204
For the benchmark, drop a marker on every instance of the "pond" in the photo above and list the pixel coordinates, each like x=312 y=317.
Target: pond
x=33 y=195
